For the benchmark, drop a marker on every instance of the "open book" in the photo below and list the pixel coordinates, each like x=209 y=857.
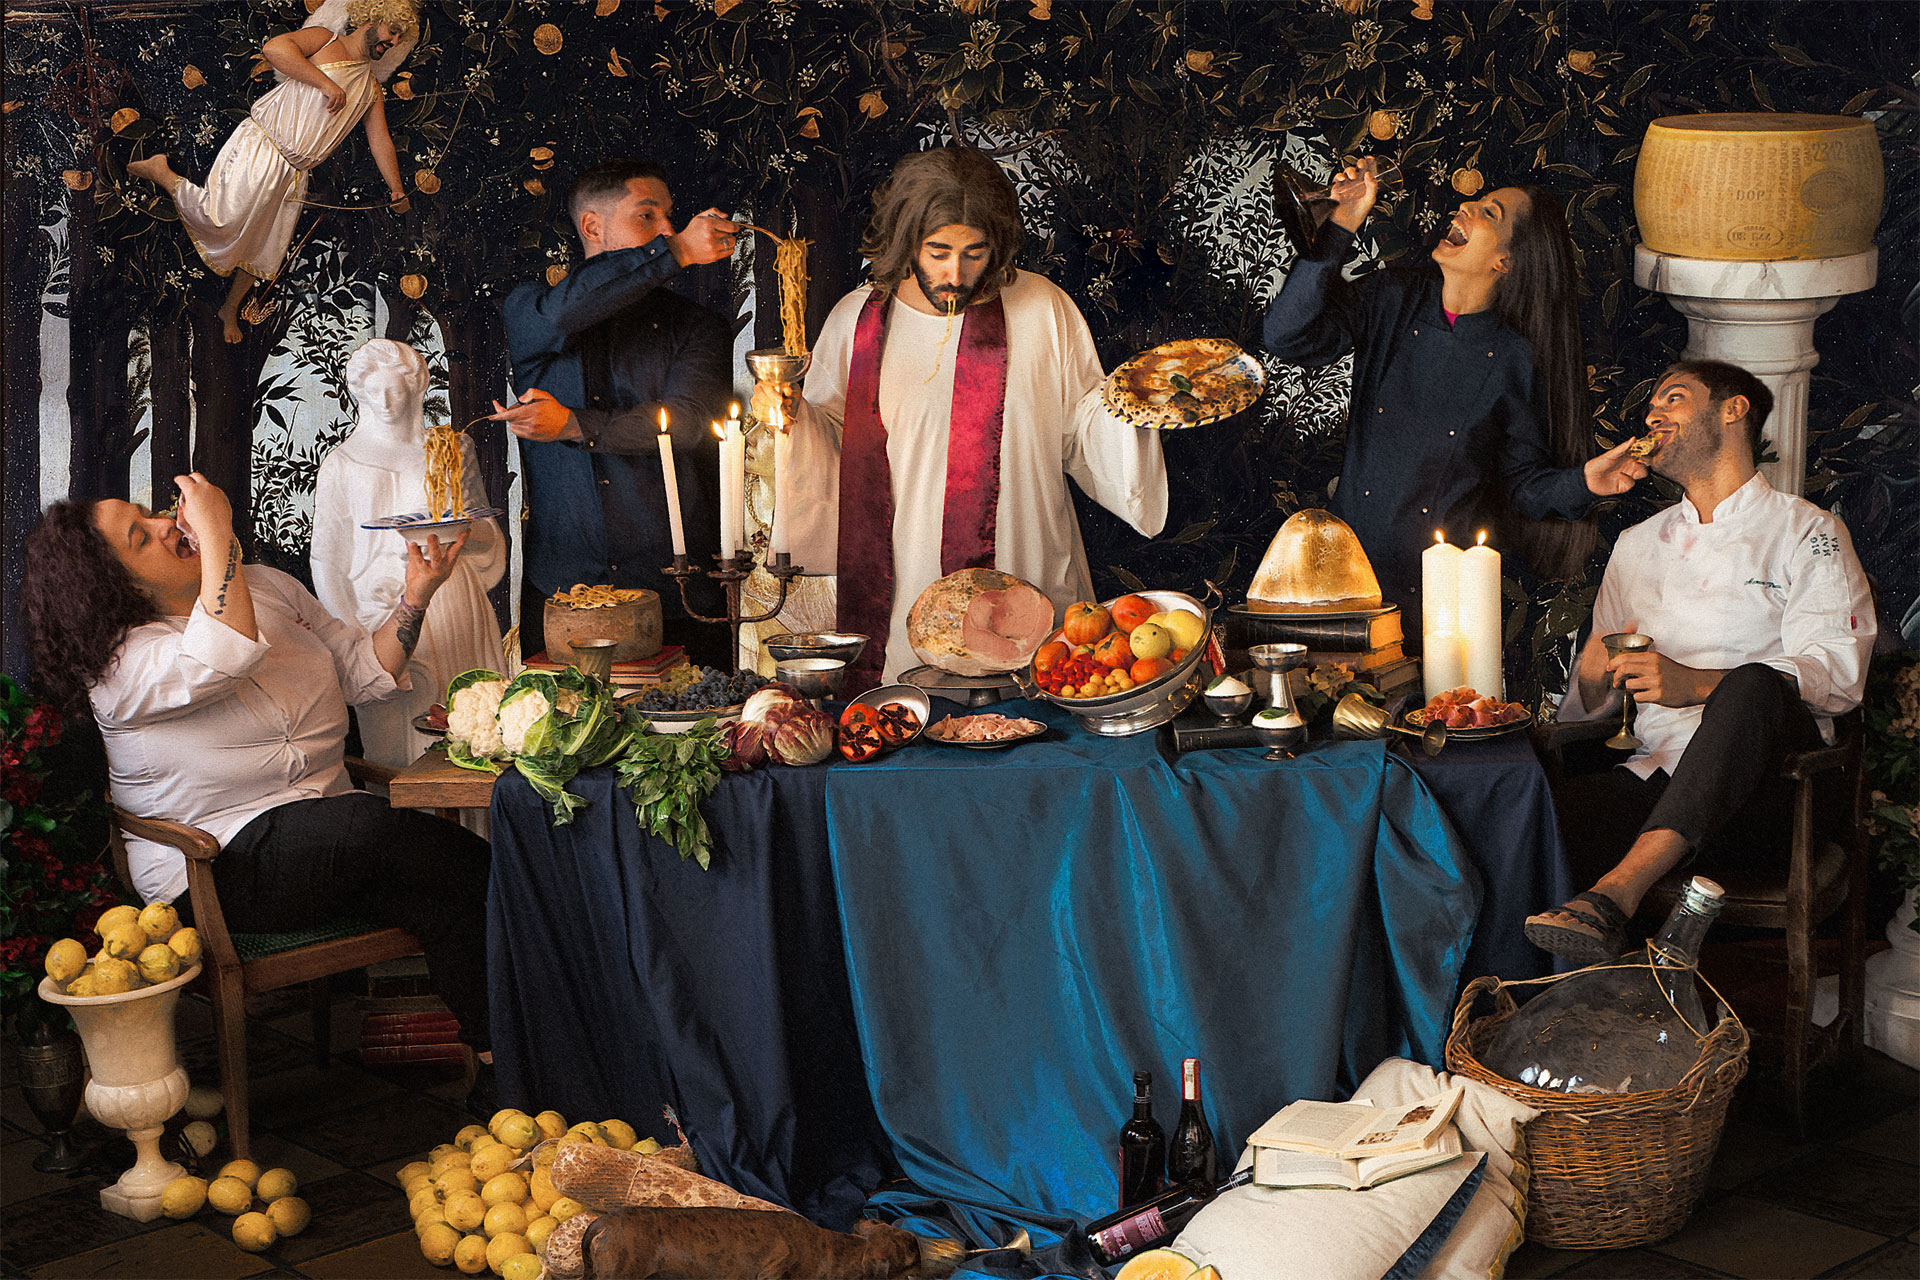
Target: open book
x=1357 y=1130
x=1278 y=1167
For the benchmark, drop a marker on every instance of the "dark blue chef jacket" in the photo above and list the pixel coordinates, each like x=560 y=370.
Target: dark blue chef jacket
x=1444 y=418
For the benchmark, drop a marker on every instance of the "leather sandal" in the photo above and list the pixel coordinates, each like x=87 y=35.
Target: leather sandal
x=1590 y=929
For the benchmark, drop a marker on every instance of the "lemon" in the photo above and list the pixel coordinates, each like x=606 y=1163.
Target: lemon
x=538 y=1230
x=289 y=1215
x=464 y=1138
x=245 y=1170
x=470 y=1255
x=116 y=917
x=455 y=1181
x=186 y=945
x=418 y=1171
x=65 y=959
x=432 y=1215
x=158 y=963
x=433 y=1156
x=125 y=942
x=517 y=1130
x=500 y=1117
x=568 y=1137
x=551 y=1124
x=275 y=1183
x=521 y=1266
x=619 y=1134
x=437 y=1242
x=230 y=1196
x=199 y=1137
x=112 y=977
x=254 y=1232
x=158 y=920
x=506 y=1188
x=563 y=1208
x=647 y=1147
x=454 y=1159
x=505 y=1219
x=465 y=1211
x=83 y=986
x=183 y=1197
x=500 y=1248
x=426 y=1196
x=1186 y=628
x=492 y=1161
x=540 y=1190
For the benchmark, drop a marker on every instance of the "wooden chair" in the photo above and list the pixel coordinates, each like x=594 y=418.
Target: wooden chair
x=1826 y=872
x=237 y=965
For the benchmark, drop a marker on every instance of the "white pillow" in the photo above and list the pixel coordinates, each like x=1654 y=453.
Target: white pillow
x=1266 y=1233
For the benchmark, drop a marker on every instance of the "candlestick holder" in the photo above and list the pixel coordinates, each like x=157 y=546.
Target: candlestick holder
x=732 y=572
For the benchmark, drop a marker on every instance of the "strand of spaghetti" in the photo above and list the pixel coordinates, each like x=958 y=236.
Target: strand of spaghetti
x=790 y=261
x=444 y=479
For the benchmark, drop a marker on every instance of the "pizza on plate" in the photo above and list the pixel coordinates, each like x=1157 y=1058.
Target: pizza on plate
x=1184 y=383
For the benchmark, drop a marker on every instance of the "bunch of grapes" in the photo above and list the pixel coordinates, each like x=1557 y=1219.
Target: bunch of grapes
x=702 y=689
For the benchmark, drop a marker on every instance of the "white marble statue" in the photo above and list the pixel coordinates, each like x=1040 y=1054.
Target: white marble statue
x=380 y=470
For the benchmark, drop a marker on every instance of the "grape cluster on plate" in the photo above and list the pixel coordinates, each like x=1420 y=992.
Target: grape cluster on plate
x=701 y=689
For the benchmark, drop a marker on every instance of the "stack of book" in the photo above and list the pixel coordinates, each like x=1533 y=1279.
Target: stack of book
x=636 y=674
x=1369 y=641
x=405 y=1021
x=1353 y=1145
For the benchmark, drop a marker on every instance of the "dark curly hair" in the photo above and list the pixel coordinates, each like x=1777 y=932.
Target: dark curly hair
x=944 y=187
x=78 y=599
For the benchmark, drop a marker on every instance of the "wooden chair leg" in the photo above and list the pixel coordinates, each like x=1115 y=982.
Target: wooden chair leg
x=320 y=996
x=1800 y=970
x=230 y=1034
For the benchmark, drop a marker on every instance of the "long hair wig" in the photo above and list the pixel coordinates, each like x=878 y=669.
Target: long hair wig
x=1539 y=299
x=943 y=187
x=79 y=601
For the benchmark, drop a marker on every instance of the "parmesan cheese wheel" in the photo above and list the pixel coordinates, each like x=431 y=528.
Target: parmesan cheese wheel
x=1758 y=186
x=979 y=622
x=1315 y=563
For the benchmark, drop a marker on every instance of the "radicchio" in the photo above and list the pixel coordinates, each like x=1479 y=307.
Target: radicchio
x=799 y=735
x=746 y=742
x=768 y=698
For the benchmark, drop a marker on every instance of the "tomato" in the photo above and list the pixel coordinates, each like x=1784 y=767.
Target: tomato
x=1051 y=655
x=1130 y=611
x=1113 y=650
x=1086 y=622
x=1145 y=669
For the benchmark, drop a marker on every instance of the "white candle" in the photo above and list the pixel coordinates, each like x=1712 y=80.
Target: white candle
x=737 y=476
x=1480 y=618
x=1442 y=663
x=729 y=513
x=782 y=444
x=673 y=488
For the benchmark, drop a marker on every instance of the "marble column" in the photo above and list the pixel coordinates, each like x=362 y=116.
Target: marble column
x=1759 y=315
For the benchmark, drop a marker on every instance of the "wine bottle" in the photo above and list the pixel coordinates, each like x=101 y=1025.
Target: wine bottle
x=1191 y=1156
x=1625 y=1027
x=1143 y=1147
x=1118 y=1236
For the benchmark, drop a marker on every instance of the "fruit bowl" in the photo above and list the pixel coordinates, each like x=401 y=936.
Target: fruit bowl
x=1149 y=704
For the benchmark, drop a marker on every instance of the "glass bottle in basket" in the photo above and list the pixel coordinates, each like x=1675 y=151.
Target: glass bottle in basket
x=1626 y=1027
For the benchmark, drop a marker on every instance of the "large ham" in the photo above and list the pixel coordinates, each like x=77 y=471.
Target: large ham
x=979 y=622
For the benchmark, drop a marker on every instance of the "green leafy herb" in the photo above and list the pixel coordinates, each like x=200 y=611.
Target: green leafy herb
x=669 y=775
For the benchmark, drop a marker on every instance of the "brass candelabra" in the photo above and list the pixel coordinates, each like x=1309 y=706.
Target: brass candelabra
x=731 y=572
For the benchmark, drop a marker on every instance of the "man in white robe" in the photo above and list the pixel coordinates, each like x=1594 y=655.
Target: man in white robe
x=945 y=231
x=381 y=470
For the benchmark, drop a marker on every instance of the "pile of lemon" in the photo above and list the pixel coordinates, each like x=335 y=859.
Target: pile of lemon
x=473 y=1210
x=138 y=948
x=239 y=1188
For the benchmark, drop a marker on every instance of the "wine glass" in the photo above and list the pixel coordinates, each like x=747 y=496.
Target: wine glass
x=1304 y=207
x=1618 y=643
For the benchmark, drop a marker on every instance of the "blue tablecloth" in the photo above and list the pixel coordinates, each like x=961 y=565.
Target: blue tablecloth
x=1025 y=929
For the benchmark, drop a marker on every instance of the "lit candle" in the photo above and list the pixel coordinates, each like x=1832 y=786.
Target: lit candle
x=737 y=476
x=1480 y=618
x=729 y=513
x=782 y=444
x=673 y=488
x=1442 y=661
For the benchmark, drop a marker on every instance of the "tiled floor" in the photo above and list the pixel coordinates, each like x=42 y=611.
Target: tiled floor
x=1844 y=1204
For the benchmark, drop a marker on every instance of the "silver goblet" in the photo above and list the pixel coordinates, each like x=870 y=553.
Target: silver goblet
x=1618 y=643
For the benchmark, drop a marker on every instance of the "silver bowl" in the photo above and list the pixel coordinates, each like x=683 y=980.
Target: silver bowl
x=1228 y=706
x=844 y=645
x=1147 y=706
x=814 y=678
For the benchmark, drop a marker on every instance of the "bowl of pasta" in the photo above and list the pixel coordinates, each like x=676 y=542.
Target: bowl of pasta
x=629 y=616
x=418 y=526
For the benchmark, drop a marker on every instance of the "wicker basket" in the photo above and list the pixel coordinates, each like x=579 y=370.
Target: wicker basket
x=1610 y=1170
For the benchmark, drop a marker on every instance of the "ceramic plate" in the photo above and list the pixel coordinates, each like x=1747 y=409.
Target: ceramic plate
x=681 y=721
x=1235 y=383
x=1417 y=718
x=421 y=522
x=905 y=694
x=995 y=745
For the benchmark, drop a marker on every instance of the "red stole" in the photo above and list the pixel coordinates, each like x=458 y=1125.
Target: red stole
x=866 y=480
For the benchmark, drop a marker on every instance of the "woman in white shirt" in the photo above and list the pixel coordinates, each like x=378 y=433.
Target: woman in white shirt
x=221 y=692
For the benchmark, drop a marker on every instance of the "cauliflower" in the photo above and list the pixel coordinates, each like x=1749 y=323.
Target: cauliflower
x=518 y=717
x=472 y=718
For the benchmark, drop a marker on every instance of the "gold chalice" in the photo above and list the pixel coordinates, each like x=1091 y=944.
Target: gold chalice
x=1355 y=717
x=1618 y=643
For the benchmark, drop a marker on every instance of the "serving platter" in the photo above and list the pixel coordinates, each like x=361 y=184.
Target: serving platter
x=424 y=522
x=1038 y=731
x=431 y=725
x=1418 y=719
x=906 y=695
x=681 y=721
x=1225 y=381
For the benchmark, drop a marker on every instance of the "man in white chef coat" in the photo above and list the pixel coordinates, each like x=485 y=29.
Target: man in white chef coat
x=948 y=401
x=1762 y=625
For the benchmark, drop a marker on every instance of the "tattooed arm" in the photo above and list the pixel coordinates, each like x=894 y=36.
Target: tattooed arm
x=205 y=511
x=427 y=569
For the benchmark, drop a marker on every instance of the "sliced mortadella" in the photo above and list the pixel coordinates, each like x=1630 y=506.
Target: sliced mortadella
x=979 y=622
